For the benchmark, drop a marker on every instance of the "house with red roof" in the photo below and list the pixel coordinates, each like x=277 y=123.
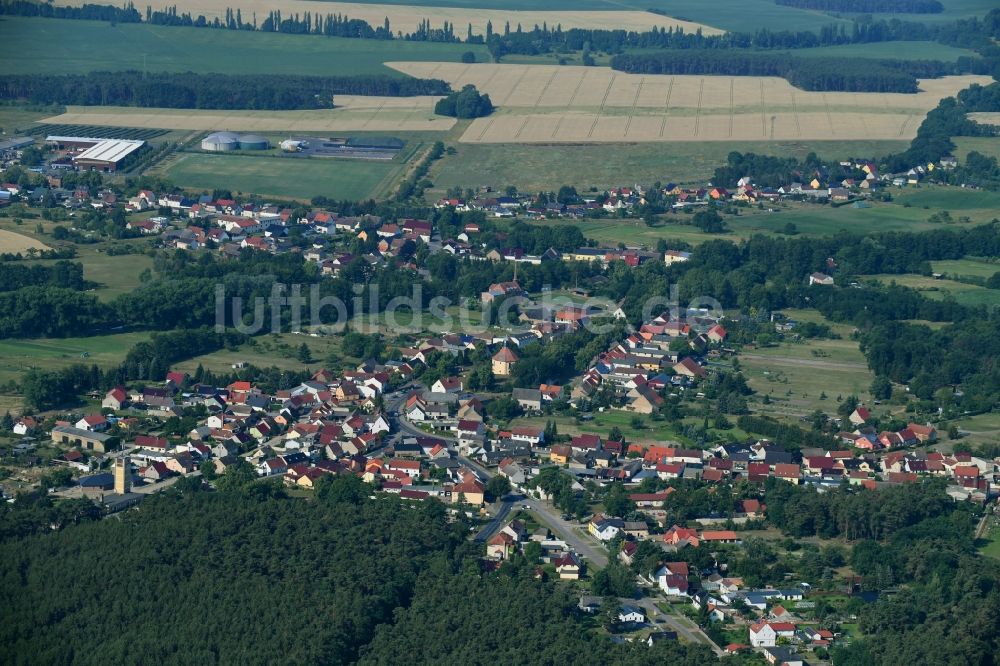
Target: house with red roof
x=681 y=536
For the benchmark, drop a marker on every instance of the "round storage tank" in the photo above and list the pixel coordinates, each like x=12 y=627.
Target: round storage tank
x=253 y=142
x=220 y=141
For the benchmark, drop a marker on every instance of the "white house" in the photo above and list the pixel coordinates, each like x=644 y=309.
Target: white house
x=631 y=615
x=766 y=634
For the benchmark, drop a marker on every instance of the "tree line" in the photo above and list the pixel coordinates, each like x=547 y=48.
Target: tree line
x=208 y=91
x=868 y=6
x=826 y=74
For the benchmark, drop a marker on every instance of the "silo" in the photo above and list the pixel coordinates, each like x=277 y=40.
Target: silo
x=220 y=142
x=253 y=142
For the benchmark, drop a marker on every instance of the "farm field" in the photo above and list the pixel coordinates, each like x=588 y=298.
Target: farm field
x=980 y=205
x=351 y=114
x=987 y=145
x=986 y=117
x=964 y=294
x=532 y=168
x=14 y=242
x=284 y=176
x=58 y=46
x=407 y=17
x=569 y=104
x=19 y=356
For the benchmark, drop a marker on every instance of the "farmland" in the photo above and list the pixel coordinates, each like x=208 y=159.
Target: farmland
x=566 y=104
x=975 y=268
x=56 y=46
x=351 y=114
x=15 y=242
x=407 y=17
x=284 y=176
x=533 y=168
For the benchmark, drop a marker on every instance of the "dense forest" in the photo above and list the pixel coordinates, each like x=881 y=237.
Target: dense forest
x=868 y=6
x=208 y=91
x=244 y=575
x=826 y=74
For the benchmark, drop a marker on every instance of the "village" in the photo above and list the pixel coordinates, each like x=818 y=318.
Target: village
x=527 y=490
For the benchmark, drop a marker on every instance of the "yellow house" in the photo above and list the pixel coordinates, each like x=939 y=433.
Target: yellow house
x=503 y=362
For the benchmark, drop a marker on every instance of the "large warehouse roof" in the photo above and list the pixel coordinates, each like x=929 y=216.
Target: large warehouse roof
x=110 y=150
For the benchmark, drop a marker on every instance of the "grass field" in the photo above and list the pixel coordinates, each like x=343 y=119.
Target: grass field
x=285 y=177
x=977 y=204
x=19 y=356
x=407 y=17
x=55 y=46
x=114 y=275
x=809 y=220
x=964 y=294
x=987 y=145
x=351 y=114
x=532 y=168
x=968 y=267
x=796 y=375
x=15 y=118
x=571 y=104
x=990 y=546
x=279 y=350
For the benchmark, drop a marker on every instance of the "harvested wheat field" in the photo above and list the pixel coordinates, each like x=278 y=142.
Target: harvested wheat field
x=558 y=104
x=13 y=243
x=407 y=18
x=986 y=117
x=352 y=114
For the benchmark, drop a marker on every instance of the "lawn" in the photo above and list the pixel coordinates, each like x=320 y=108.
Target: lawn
x=18 y=356
x=540 y=167
x=285 y=177
x=55 y=46
x=980 y=205
x=964 y=294
x=991 y=542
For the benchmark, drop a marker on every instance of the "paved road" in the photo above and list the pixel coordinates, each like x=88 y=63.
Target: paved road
x=684 y=627
x=565 y=530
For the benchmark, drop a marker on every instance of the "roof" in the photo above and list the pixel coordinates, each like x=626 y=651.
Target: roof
x=505 y=355
x=110 y=150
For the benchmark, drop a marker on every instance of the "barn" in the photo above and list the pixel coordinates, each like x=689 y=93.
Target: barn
x=94 y=154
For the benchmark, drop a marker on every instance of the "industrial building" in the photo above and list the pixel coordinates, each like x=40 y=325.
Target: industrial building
x=93 y=154
x=222 y=142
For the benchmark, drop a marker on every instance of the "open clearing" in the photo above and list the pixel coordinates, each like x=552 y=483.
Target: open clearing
x=352 y=114
x=941 y=289
x=407 y=18
x=19 y=356
x=553 y=104
x=285 y=176
x=14 y=242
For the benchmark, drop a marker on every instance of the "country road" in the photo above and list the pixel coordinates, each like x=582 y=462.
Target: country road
x=684 y=627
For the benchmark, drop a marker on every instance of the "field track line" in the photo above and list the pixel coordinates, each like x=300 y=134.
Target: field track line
x=697 y=112
x=795 y=114
x=430 y=75
x=538 y=100
x=666 y=107
x=489 y=79
x=513 y=89
x=635 y=102
x=829 y=118
x=763 y=112
x=485 y=129
x=524 y=123
x=603 y=102
x=732 y=106
x=579 y=84
x=372 y=116
x=906 y=121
